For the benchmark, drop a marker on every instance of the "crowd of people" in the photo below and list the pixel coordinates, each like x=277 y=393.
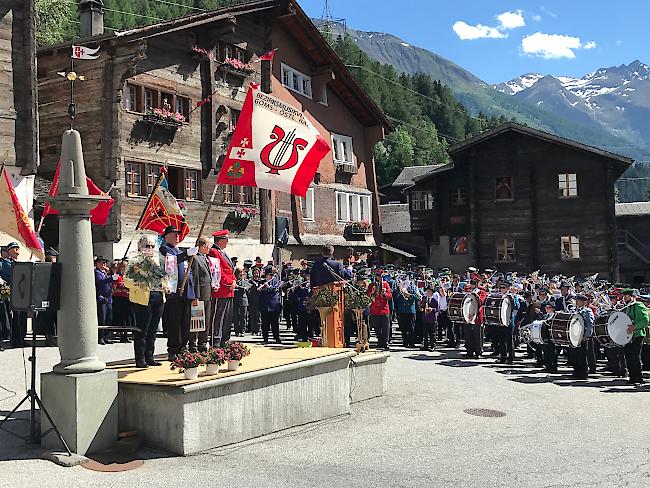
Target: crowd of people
x=431 y=309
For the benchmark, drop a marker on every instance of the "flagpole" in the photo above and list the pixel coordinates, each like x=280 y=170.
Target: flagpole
x=205 y=220
x=153 y=192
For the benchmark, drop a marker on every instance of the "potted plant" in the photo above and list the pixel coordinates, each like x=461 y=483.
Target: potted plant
x=235 y=352
x=188 y=363
x=164 y=116
x=357 y=301
x=214 y=358
x=238 y=66
x=361 y=227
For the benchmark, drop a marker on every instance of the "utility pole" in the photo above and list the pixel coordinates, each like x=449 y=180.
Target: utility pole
x=265 y=196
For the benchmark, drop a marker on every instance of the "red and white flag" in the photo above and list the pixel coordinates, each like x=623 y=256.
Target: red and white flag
x=13 y=219
x=268 y=56
x=274 y=146
x=163 y=210
x=82 y=52
x=98 y=214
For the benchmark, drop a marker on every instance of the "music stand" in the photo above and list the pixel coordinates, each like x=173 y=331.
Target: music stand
x=34 y=436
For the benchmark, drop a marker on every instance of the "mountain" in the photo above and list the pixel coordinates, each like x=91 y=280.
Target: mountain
x=616 y=99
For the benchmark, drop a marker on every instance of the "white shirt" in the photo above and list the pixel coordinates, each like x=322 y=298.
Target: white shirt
x=442 y=301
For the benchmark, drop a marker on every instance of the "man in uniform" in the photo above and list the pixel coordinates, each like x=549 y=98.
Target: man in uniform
x=638 y=313
x=579 y=354
x=202 y=278
x=177 y=314
x=326 y=269
x=223 y=315
x=380 y=293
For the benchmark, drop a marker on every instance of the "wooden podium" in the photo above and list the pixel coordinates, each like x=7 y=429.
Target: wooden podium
x=332 y=328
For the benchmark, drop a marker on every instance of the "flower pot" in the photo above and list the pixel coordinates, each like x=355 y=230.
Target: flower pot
x=233 y=364
x=191 y=373
x=211 y=369
x=315 y=342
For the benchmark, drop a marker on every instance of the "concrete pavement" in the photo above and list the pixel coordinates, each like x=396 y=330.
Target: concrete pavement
x=556 y=433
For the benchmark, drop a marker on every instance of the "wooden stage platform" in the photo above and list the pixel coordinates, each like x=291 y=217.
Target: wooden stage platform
x=275 y=388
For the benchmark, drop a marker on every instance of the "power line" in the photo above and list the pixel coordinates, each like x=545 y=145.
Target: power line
x=166 y=2
x=444 y=136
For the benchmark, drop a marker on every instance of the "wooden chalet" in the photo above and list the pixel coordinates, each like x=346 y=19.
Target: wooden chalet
x=174 y=65
x=633 y=238
x=18 y=109
x=519 y=199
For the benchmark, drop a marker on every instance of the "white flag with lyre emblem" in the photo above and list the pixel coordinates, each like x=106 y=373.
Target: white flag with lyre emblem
x=274 y=146
x=82 y=52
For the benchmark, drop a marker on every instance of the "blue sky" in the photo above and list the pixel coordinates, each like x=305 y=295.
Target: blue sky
x=559 y=37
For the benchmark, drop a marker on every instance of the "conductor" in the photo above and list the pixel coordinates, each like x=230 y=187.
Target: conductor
x=327 y=270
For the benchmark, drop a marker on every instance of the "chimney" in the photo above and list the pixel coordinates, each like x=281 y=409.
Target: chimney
x=91 y=18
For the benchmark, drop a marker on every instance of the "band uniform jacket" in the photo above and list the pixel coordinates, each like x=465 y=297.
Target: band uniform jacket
x=227 y=274
x=202 y=277
x=181 y=268
x=565 y=304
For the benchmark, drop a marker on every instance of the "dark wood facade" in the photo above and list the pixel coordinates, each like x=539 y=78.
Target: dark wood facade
x=633 y=237
x=500 y=205
x=18 y=109
x=140 y=68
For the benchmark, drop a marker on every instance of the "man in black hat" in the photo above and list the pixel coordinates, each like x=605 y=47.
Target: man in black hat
x=566 y=302
x=177 y=312
x=579 y=354
x=104 y=297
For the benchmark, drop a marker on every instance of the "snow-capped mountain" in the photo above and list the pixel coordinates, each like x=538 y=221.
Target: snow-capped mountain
x=615 y=98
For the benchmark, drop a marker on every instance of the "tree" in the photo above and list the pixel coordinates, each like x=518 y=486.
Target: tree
x=54 y=21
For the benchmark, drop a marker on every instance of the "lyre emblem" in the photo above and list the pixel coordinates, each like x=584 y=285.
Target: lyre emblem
x=274 y=154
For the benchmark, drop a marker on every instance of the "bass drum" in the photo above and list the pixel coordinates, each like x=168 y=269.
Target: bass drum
x=611 y=330
x=471 y=307
x=498 y=309
x=455 y=306
x=566 y=329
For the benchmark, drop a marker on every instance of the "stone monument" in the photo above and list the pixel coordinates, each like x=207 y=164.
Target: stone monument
x=80 y=394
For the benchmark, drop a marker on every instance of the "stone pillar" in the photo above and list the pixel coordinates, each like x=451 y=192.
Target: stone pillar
x=80 y=396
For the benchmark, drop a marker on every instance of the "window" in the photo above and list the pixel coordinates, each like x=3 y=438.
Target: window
x=243 y=195
x=296 y=81
x=505 y=251
x=134 y=179
x=458 y=196
x=166 y=101
x=342 y=146
x=240 y=55
x=150 y=99
x=183 y=107
x=130 y=98
x=351 y=207
x=323 y=96
x=503 y=189
x=570 y=247
x=459 y=245
x=421 y=200
x=568 y=185
x=234 y=118
x=227 y=52
x=153 y=172
x=307 y=206
x=191 y=184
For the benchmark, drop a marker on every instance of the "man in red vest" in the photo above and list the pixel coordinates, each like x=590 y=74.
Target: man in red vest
x=223 y=296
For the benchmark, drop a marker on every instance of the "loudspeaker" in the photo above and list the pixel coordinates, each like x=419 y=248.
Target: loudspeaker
x=281 y=231
x=35 y=286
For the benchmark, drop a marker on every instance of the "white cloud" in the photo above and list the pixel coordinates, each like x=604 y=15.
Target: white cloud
x=591 y=45
x=468 y=32
x=548 y=12
x=550 y=46
x=511 y=20
x=537 y=18
x=507 y=21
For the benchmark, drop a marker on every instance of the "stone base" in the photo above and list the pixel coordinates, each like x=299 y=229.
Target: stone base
x=83 y=407
x=187 y=419
x=64 y=459
x=368 y=376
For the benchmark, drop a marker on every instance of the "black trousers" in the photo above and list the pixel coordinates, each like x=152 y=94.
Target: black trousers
x=302 y=330
x=222 y=321
x=18 y=329
x=645 y=357
x=633 y=358
x=578 y=358
x=381 y=325
x=104 y=317
x=254 y=319
x=271 y=320
x=591 y=354
x=406 y=324
x=199 y=340
x=5 y=321
x=506 y=343
x=240 y=317
x=550 y=357
x=147 y=318
x=429 y=334
x=473 y=339
x=177 y=318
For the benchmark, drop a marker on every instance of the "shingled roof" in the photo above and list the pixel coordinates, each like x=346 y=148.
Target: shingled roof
x=632 y=209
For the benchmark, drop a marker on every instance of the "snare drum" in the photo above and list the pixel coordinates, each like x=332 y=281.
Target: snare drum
x=538 y=331
x=498 y=309
x=566 y=329
x=611 y=330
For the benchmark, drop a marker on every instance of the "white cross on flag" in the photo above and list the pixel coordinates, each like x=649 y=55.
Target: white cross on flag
x=274 y=146
x=81 y=52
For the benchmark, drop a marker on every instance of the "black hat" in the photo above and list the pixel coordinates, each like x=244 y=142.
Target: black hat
x=565 y=284
x=584 y=298
x=100 y=259
x=51 y=252
x=170 y=229
x=12 y=245
x=234 y=259
x=248 y=263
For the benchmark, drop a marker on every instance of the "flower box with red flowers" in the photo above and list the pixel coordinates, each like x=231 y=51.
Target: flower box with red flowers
x=164 y=117
x=247 y=213
x=236 y=67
